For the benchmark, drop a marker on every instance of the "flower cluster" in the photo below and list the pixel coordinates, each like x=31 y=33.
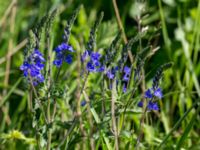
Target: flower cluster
x=151 y=105
x=33 y=66
x=94 y=64
x=150 y=94
x=126 y=77
x=62 y=54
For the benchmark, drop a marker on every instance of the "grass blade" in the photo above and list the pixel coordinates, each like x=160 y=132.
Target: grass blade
x=10 y=92
x=176 y=125
x=187 y=130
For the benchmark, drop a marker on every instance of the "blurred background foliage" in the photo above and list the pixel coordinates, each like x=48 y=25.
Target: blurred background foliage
x=173 y=26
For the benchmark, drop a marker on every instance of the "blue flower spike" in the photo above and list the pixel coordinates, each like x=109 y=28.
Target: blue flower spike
x=94 y=65
x=33 y=65
x=62 y=54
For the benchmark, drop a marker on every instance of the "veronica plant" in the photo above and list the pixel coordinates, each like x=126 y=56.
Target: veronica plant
x=115 y=69
x=33 y=69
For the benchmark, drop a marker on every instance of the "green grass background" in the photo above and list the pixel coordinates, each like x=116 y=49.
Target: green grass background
x=178 y=35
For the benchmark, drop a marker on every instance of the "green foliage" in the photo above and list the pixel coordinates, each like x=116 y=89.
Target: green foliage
x=158 y=32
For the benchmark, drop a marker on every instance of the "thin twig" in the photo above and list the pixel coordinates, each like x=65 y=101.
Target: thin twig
x=13 y=10
x=141 y=126
x=10 y=47
x=79 y=93
x=121 y=28
x=15 y=50
x=7 y=12
x=119 y=21
x=138 y=19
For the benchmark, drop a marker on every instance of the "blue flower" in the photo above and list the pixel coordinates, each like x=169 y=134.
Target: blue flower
x=158 y=93
x=33 y=66
x=57 y=62
x=62 y=54
x=94 y=65
x=126 y=77
x=90 y=66
x=95 y=56
x=148 y=94
x=84 y=56
x=83 y=103
x=63 y=47
x=68 y=59
x=151 y=92
x=111 y=73
x=124 y=88
x=150 y=106
x=127 y=72
x=140 y=104
x=101 y=69
x=37 y=56
x=25 y=68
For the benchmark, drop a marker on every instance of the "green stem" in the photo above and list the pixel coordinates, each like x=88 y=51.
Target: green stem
x=49 y=121
x=49 y=140
x=114 y=123
x=49 y=97
x=38 y=139
x=37 y=98
x=164 y=27
x=141 y=126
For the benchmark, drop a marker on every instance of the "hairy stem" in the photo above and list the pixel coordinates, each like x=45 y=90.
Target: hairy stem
x=114 y=124
x=92 y=144
x=49 y=140
x=49 y=116
x=38 y=138
x=37 y=98
x=41 y=107
x=140 y=49
x=49 y=121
